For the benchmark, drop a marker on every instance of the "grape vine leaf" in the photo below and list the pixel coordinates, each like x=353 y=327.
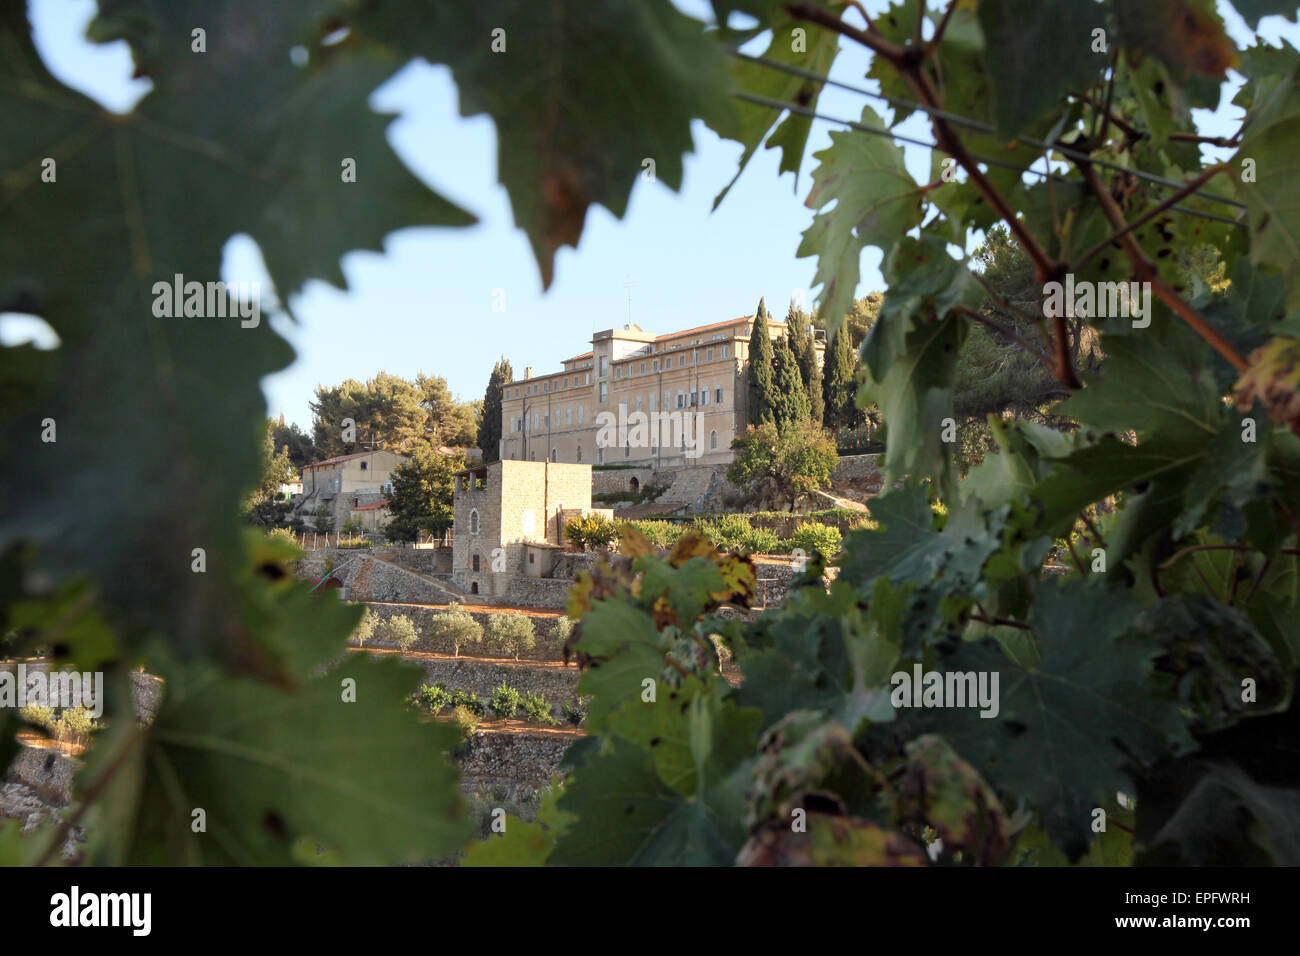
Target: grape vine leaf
x=1070 y=731
x=754 y=122
x=556 y=78
x=157 y=416
x=271 y=767
x=1050 y=42
x=875 y=202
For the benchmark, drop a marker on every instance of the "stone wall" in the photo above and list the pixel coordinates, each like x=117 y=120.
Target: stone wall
x=858 y=473
x=556 y=684
x=614 y=480
x=367 y=578
x=514 y=756
x=538 y=592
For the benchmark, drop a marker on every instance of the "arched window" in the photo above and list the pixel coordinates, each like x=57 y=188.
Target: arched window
x=713 y=440
x=633 y=484
x=555 y=455
x=473 y=561
x=579 y=453
x=473 y=522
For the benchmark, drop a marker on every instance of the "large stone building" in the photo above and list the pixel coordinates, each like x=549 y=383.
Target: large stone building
x=637 y=398
x=509 y=520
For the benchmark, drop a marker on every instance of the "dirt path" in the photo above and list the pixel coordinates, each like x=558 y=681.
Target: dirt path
x=482 y=608
x=432 y=655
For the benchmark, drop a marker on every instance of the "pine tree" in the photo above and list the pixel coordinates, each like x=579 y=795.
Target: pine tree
x=799 y=330
x=489 y=429
x=839 y=384
x=761 y=388
x=791 y=401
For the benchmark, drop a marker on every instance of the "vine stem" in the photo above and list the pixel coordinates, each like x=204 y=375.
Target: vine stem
x=908 y=61
x=1150 y=214
x=1145 y=271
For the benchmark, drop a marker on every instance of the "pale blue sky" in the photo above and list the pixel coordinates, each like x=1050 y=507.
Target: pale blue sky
x=426 y=303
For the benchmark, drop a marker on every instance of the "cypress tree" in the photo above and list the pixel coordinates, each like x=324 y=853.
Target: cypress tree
x=839 y=388
x=791 y=401
x=799 y=326
x=489 y=429
x=761 y=390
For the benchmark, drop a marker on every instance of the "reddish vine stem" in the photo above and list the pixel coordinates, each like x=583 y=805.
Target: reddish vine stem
x=1145 y=271
x=1150 y=214
x=909 y=64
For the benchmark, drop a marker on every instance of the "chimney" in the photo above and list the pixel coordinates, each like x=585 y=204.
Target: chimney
x=528 y=371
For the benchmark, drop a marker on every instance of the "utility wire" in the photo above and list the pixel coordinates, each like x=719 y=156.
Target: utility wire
x=979 y=125
x=890 y=134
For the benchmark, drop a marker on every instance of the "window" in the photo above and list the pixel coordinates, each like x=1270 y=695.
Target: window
x=568 y=416
x=546 y=420
x=724 y=351
x=473 y=587
x=532 y=558
x=579 y=453
x=717 y=394
x=627 y=450
x=580 y=407
x=681 y=399
x=554 y=455
x=473 y=562
x=586 y=379
x=713 y=440
x=364 y=464
x=668 y=362
x=604 y=391
x=473 y=520
x=638 y=403
x=532 y=456
x=600 y=456
x=655 y=365
x=643 y=368
x=604 y=365
x=704 y=397
x=708 y=355
x=652 y=401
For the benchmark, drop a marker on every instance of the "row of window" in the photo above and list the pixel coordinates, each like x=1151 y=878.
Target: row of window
x=683 y=399
x=623 y=371
x=600 y=453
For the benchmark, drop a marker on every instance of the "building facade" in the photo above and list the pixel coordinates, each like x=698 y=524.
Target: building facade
x=345 y=483
x=637 y=399
x=509 y=520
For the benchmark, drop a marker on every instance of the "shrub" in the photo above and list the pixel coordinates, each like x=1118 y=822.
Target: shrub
x=457 y=626
x=505 y=700
x=510 y=633
x=466 y=722
x=366 y=629
x=354 y=544
x=352 y=525
x=40 y=716
x=537 y=709
x=562 y=630
x=77 y=722
x=759 y=541
x=591 y=531
x=461 y=698
x=813 y=537
x=283 y=534
x=400 y=630
x=574 y=711
x=434 y=697
x=661 y=534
